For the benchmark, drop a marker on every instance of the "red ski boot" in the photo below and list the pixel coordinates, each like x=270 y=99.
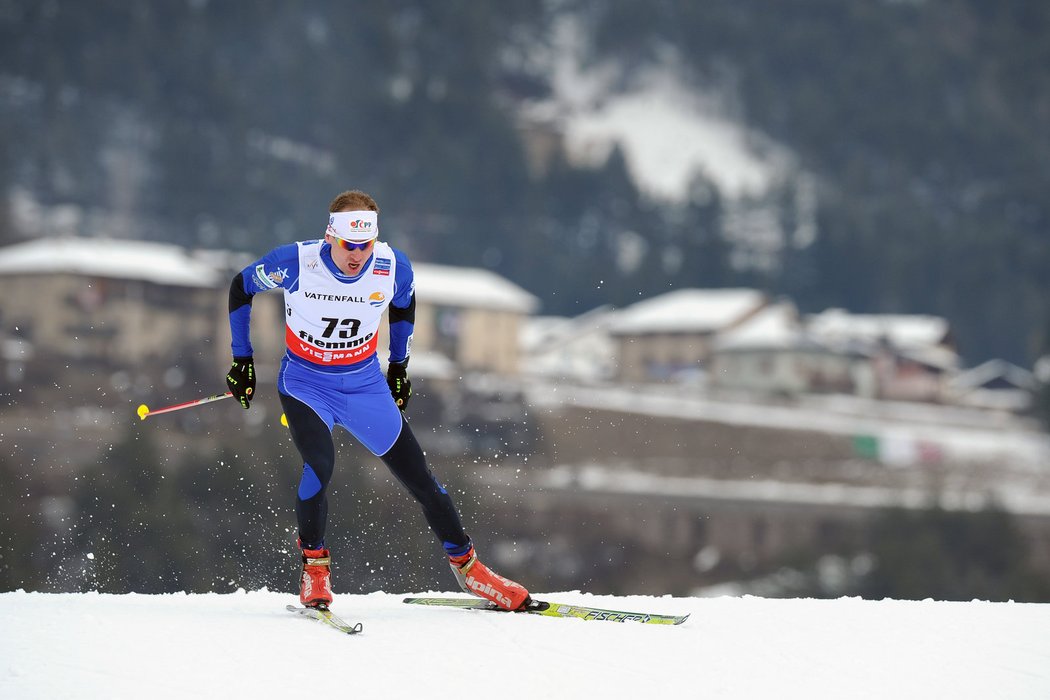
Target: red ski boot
x=315 y=586
x=477 y=579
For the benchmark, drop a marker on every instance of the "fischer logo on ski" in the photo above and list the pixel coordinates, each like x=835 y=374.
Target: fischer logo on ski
x=539 y=607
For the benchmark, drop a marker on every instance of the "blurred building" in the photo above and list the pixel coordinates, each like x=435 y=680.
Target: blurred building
x=740 y=340
x=896 y=357
x=912 y=356
x=112 y=302
x=772 y=353
x=995 y=384
x=671 y=336
x=469 y=316
x=578 y=348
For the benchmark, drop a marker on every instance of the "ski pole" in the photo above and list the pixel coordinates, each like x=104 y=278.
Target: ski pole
x=144 y=410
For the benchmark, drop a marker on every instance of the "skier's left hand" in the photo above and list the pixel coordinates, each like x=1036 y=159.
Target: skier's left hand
x=399 y=383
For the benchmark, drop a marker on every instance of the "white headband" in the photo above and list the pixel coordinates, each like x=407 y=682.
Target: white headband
x=354 y=225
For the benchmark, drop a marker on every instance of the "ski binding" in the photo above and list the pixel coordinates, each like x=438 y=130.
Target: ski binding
x=327 y=617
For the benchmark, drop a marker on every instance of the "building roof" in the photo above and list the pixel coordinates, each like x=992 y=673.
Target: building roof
x=541 y=333
x=159 y=263
x=902 y=331
x=995 y=374
x=774 y=327
x=470 y=287
x=688 y=311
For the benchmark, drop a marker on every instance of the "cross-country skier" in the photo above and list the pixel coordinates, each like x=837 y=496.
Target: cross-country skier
x=335 y=292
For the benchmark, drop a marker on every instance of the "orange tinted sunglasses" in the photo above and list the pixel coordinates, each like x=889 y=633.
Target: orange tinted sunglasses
x=348 y=245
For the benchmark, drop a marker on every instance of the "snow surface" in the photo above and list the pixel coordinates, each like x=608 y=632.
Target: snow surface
x=246 y=645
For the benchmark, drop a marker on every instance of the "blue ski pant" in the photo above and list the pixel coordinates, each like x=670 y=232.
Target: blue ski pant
x=314 y=402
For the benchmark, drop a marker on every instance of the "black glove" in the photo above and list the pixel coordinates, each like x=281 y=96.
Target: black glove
x=241 y=380
x=399 y=383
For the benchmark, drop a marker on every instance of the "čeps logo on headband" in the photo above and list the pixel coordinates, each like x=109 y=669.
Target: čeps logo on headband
x=354 y=225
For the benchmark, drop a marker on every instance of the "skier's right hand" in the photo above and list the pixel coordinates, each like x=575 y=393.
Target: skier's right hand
x=241 y=380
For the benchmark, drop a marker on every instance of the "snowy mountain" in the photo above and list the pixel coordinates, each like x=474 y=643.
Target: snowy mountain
x=670 y=131
x=247 y=645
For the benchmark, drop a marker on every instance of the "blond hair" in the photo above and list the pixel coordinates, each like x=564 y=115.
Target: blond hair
x=353 y=200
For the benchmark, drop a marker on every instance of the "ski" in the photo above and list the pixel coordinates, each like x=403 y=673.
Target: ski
x=551 y=609
x=327 y=617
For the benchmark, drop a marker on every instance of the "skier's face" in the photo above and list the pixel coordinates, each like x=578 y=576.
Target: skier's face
x=349 y=256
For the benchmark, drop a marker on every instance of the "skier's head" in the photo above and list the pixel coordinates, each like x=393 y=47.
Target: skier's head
x=353 y=226
x=353 y=217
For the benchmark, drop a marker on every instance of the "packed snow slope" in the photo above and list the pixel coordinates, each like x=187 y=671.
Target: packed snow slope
x=245 y=645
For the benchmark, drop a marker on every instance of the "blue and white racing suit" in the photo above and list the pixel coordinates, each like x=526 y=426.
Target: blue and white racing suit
x=330 y=374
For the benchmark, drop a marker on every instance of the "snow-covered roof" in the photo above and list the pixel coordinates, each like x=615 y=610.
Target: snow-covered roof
x=540 y=331
x=1041 y=370
x=470 y=287
x=688 y=311
x=995 y=374
x=159 y=263
x=775 y=326
x=903 y=331
x=544 y=332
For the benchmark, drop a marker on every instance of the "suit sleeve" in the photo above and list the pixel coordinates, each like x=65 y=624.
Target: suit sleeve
x=402 y=309
x=277 y=269
x=240 y=316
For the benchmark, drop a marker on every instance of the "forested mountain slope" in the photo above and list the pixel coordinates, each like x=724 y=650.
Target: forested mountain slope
x=920 y=157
